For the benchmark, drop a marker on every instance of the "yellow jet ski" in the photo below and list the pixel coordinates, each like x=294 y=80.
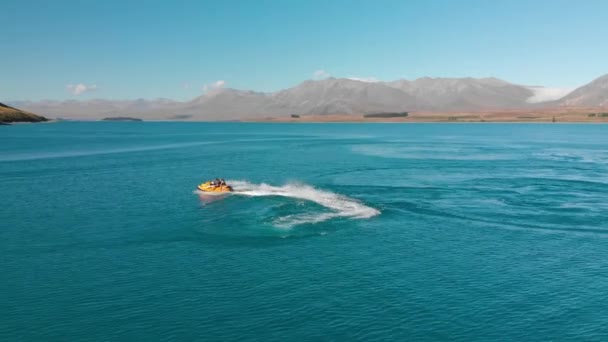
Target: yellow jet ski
x=215 y=187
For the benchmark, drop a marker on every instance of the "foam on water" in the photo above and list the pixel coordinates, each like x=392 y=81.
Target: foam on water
x=340 y=206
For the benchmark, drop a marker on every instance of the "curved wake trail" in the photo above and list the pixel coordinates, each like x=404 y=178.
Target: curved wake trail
x=340 y=206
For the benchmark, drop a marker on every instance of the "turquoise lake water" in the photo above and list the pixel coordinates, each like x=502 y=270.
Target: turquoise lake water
x=336 y=232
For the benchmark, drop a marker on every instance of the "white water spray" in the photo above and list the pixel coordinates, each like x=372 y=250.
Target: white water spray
x=340 y=206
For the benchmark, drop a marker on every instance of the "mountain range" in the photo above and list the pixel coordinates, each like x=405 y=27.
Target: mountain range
x=335 y=96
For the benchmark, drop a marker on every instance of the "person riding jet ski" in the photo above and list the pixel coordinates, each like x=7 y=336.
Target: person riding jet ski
x=216 y=185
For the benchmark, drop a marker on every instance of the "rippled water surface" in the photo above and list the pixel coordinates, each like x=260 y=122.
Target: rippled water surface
x=335 y=232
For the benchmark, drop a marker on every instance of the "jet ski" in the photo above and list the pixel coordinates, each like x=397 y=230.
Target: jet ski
x=215 y=187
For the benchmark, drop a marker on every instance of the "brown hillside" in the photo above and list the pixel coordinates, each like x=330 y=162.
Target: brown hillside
x=10 y=114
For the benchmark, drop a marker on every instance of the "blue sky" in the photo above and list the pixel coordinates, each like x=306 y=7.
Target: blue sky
x=176 y=49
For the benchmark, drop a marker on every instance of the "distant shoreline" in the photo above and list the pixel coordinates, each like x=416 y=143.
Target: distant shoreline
x=578 y=115
x=331 y=122
x=547 y=116
x=415 y=122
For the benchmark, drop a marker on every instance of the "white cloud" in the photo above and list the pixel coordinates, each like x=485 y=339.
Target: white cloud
x=215 y=85
x=364 y=79
x=542 y=94
x=80 y=88
x=320 y=74
x=186 y=86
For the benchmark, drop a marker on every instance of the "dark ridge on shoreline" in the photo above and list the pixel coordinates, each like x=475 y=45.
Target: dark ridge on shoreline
x=121 y=118
x=10 y=114
x=387 y=115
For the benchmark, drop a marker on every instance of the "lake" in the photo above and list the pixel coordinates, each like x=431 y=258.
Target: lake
x=335 y=232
